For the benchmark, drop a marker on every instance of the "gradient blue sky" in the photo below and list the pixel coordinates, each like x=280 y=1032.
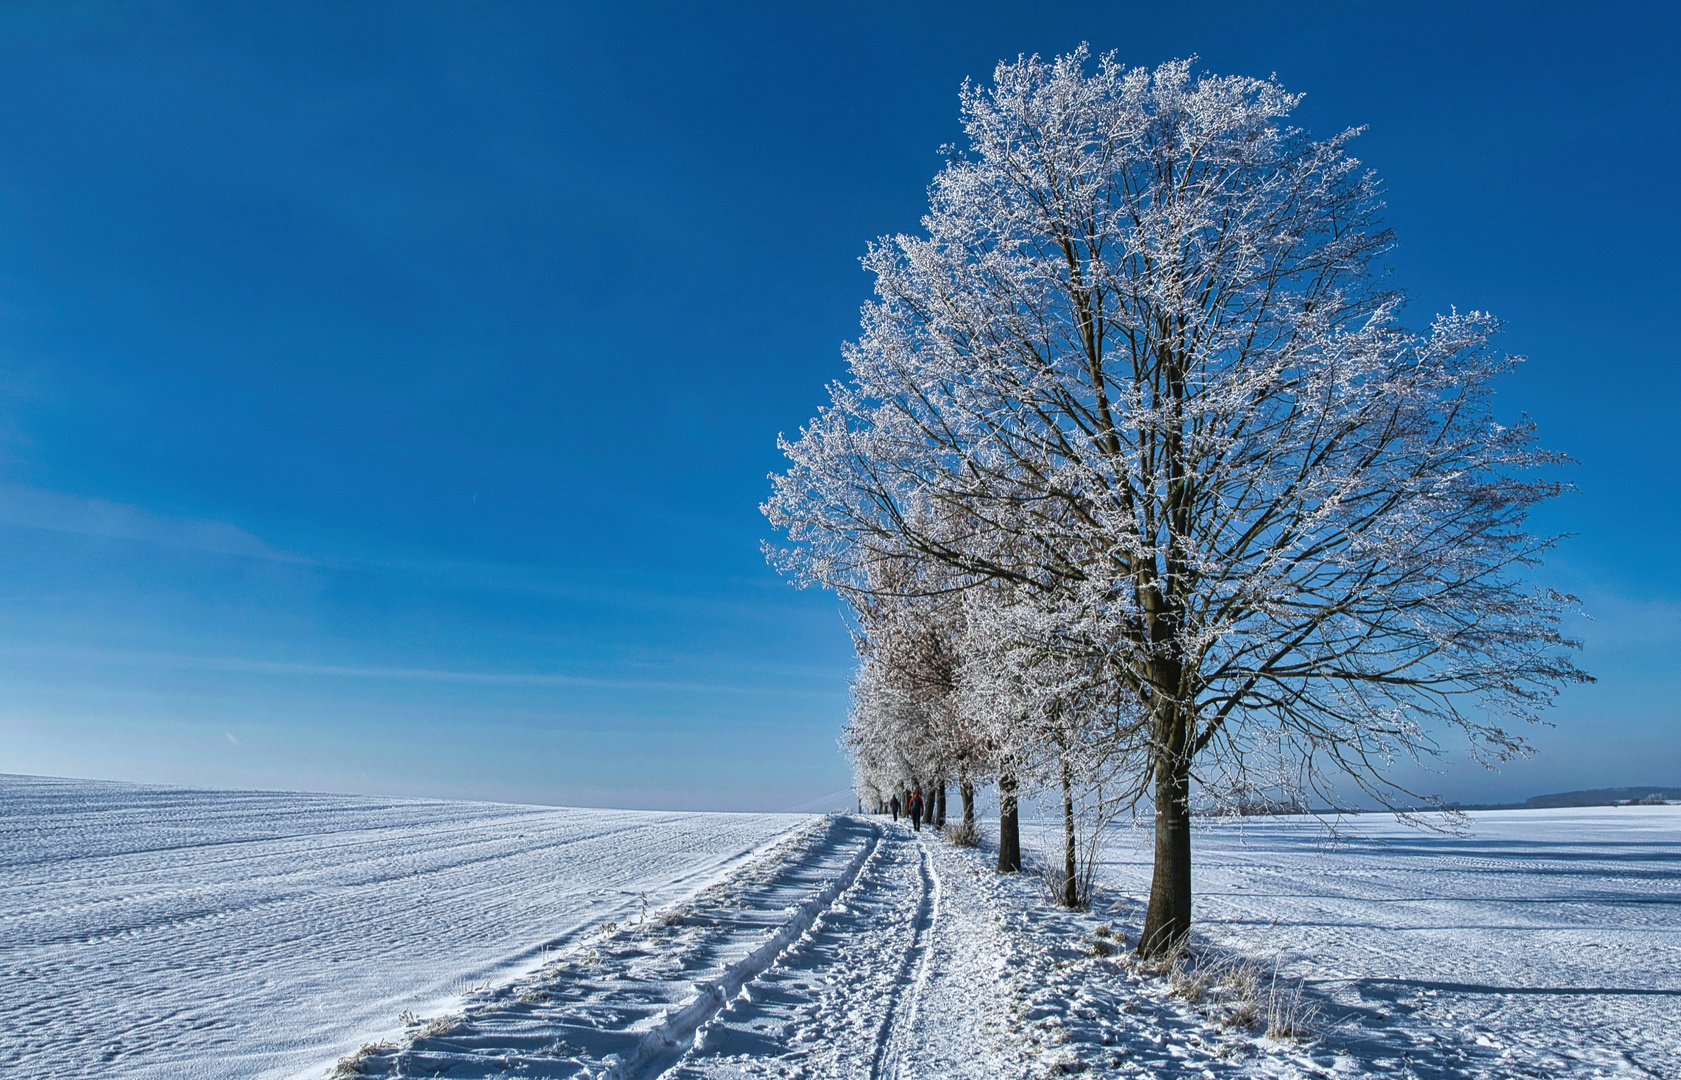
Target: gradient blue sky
x=386 y=390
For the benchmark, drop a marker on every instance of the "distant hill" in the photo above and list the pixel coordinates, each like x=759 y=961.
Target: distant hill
x=1596 y=797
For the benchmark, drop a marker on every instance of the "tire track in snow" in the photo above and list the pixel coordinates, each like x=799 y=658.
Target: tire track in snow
x=629 y=1005
x=846 y=999
x=890 y=1036
x=662 y=1046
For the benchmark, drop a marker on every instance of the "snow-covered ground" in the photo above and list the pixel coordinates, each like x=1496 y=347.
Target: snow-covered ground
x=152 y=933
x=862 y=949
x=168 y=933
x=1544 y=943
x=857 y=951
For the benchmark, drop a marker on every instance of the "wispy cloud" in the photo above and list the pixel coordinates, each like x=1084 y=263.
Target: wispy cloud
x=1623 y=622
x=392 y=674
x=35 y=508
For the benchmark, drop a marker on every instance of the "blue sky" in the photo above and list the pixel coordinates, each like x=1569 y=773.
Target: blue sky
x=387 y=390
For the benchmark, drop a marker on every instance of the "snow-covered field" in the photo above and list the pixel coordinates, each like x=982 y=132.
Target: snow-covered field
x=862 y=949
x=1545 y=943
x=168 y=933
x=159 y=932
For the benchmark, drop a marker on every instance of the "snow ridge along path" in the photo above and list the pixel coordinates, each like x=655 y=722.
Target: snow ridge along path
x=824 y=959
x=628 y=1005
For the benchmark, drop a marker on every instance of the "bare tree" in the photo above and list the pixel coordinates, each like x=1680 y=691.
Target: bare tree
x=1143 y=361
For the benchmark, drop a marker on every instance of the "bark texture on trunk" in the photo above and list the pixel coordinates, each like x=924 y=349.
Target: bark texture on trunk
x=1070 y=889
x=940 y=806
x=1168 y=920
x=1009 y=826
x=967 y=789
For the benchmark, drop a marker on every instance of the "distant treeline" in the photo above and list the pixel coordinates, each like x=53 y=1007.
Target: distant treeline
x=1596 y=797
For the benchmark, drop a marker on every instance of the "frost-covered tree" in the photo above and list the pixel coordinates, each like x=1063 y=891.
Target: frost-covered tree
x=1039 y=682
x=1142 y=367
x=904 y=731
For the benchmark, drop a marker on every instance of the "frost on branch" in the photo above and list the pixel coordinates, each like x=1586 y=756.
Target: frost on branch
x=1139 y=393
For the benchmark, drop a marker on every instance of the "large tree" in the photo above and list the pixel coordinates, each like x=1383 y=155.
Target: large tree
x=1143 y=369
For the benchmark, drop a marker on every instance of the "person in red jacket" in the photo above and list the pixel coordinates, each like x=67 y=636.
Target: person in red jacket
x=915 y=809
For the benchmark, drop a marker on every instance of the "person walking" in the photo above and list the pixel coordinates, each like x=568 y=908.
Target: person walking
x=915 y=809
x=895 y=805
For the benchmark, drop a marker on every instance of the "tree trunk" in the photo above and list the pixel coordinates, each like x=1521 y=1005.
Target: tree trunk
x=1167 y=922
x=1009 y=826
x=1070 y=889
x=966 y=787
x=940 y=806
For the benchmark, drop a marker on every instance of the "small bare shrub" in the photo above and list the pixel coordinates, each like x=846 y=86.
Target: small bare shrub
x=1239 y=992
x=1241 y=1013
x=1242 y=981
x=1102 y=946
x=963 y=833
x=1052 y=870
x=1238 y=988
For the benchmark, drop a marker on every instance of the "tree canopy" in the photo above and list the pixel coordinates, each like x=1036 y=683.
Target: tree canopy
x=1141 y=392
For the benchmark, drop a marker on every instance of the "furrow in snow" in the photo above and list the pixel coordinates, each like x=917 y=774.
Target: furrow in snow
x=885 y=1063
x=628 y=1004
x=852 y=996
x=169 y=934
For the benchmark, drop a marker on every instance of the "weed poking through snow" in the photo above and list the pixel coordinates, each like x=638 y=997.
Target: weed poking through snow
x=1289 y=1018
x=351 y=1066
x=1238 y=992
x=963 y=833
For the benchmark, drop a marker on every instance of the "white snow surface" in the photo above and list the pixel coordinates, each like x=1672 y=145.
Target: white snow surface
x=246 y=935
x=859 y=950
x=1541 y=943
x=153 y=932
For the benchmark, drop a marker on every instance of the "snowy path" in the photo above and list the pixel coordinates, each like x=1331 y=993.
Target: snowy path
x=897 y=980
x=859 y=949
x=164 y=933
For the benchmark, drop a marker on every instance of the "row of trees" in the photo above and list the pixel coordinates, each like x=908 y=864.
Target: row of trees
x=949 y=693
x=1137 y=484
